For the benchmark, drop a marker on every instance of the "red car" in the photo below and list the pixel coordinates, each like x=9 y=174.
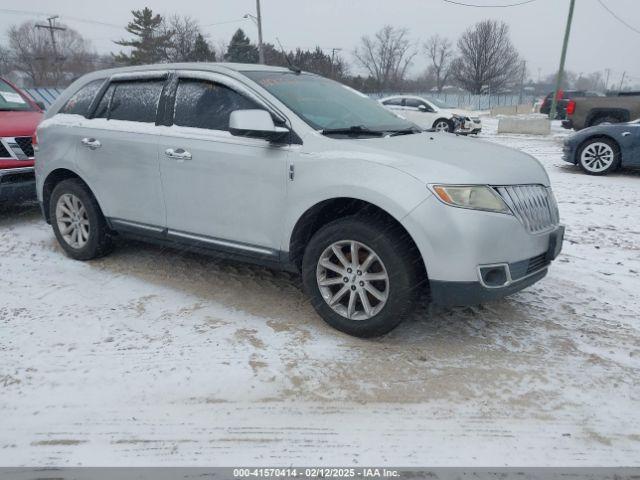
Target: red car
x=19 y=117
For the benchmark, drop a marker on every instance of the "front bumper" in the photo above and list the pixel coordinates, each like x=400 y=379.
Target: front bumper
x=17 y=184
x=456 y=244
x=470 y=127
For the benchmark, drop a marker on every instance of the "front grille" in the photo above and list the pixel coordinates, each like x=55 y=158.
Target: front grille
x=25 y=145
x=523 y=268
x=534 y=205
x=4 y=153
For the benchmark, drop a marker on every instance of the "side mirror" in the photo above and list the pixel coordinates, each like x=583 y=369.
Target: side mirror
x=423 y=108
x=255 y=124
x=41 y=105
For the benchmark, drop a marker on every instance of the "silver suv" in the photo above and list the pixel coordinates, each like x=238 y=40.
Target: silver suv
x=294 y=171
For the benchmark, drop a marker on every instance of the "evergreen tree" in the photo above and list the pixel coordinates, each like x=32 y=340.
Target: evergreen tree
x=149 y=42
x=202 y=52
x=241 y=50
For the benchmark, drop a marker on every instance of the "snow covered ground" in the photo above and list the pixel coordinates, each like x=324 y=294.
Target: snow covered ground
x=159 y=357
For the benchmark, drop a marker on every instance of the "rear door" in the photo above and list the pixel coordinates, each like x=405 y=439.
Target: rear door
x=118 y=151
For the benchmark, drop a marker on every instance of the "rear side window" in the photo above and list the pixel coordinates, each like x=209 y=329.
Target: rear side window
x=79 y=103
x=393 y=101
x=136 y=101
x=203 y=104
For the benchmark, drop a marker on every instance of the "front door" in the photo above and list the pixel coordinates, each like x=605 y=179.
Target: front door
x=220 y=189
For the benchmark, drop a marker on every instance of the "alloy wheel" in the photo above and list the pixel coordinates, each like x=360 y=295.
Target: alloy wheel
x=73 y=220
x=442 y=126
x=352 y=280
x=597 y=157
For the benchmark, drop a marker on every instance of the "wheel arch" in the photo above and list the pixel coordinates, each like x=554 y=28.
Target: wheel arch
x=445 y=119
x=332 y=209
x=54 y=178
x=620 y=113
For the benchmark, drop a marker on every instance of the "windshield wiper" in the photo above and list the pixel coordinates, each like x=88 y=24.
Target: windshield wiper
x=406 y=131
x=353 y=130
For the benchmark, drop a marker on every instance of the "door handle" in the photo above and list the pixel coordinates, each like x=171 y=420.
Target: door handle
x=178 y=153
x=91 y=143
x=626 y=134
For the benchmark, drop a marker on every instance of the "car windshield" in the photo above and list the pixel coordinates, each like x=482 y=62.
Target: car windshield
x=329 y=106
x=440 y=103
x=11 y=100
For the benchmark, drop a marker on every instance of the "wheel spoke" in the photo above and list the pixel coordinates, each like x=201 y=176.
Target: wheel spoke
x=338 y=296
x=329 y=265
x=351 y=309
x=365 y=302
x=373 y=277
x=327 y=282
x=338 y=253
x=367 y=262
x=378 y=295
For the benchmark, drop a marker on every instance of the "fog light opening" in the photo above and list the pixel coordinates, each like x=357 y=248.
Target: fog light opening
x=495 y=276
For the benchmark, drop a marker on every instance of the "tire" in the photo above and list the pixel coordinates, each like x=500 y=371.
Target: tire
x=73 y=206
x=439 y=125
x=395 y=258
x=599 y=156
x=601 y=120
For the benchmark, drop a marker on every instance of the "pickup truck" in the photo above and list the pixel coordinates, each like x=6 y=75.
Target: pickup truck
x=589 y=111
x=19 y=117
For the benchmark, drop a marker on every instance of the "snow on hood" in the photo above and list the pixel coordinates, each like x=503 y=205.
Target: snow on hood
x=447 y=158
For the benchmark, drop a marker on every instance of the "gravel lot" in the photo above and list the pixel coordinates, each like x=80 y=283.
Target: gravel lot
x=161 y=357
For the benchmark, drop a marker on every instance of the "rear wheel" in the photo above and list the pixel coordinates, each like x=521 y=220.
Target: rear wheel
x=361 y=276
x=77 y=221
x=599 y=156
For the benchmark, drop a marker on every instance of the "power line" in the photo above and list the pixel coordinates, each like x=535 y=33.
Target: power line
x=224 y=23
x=617 y=17
x=462 y=4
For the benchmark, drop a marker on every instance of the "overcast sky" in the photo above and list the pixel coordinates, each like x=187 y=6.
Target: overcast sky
x=598 y=40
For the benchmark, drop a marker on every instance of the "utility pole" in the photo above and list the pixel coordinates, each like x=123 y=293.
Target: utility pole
x=622 y=80
x=52 y=27
x=260 y=45
x=606 y=82
x=554 y=102
x=333 y=55
x=524 y=73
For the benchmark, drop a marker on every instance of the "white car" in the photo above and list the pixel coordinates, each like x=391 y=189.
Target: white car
x=294 y=171
x=432 y=114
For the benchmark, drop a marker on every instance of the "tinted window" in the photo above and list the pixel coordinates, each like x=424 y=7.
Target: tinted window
x=413 y=102
x=80 y=101
x=11 y=99
x=103 y=107
x=203 y=104
x=393 y=101
x=136 y=101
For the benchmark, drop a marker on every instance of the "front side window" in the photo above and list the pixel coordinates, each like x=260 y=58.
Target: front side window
x=134 y=101
x=11 y=99
x=204 y=104
x=327 y=105
x=81 y=100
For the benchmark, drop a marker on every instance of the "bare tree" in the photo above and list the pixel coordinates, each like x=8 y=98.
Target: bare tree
x=187 y=42
x=487 y=58
x=31 y=51
x=440 y=52
x=387 y=56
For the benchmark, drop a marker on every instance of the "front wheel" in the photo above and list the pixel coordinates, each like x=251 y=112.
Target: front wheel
x=599 y=156
x=443 y=125
x=361 y=276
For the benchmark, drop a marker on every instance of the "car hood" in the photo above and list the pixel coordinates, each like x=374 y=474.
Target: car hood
x=446 y=158
x=19 y=124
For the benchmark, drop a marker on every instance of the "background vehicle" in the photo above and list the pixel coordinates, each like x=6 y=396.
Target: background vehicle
x=587 y=112
x=430 y=114
x=604 y=148
x=294 y=171
x=19 y=117
x=564 y=96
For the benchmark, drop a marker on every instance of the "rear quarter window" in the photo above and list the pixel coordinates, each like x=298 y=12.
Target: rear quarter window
x=81 y=100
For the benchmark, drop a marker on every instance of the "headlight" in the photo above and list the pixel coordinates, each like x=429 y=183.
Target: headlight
x=477 y=197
